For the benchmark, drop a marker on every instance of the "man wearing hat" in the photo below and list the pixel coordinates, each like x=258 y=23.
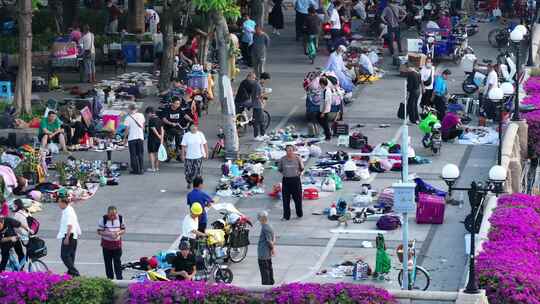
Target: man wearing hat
x=184 y=264
x=69 y=232
x=190 y=225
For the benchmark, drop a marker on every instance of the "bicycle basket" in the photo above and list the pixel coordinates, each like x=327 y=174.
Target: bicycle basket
x=36 y=248
x=215 y=237
x=239 y=238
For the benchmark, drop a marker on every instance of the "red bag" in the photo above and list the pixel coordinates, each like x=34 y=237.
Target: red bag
x=311 y=194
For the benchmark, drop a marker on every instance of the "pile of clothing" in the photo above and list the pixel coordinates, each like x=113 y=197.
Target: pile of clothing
x=241 y=179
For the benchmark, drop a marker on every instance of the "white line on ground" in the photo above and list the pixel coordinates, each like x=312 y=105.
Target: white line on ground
x=77 y=263
x=329 y=246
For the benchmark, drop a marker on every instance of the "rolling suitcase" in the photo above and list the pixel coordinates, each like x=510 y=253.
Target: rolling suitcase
x=430 y=209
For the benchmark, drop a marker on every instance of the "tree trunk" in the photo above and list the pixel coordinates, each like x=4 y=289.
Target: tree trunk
x=167 y=59
x=204 y=43
x=225 y=93
x=71 y=13
x=136 y=16
x=23 y=88
x=57 y=9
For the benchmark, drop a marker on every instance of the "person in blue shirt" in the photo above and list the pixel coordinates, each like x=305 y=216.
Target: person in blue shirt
x=440 y=93
x=197 y=195
x=246 y=40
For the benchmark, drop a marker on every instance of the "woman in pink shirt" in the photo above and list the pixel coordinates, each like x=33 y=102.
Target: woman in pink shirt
x=451 y=126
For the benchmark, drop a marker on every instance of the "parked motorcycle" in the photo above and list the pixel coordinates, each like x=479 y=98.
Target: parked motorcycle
x=476 y=72
x=236 y=228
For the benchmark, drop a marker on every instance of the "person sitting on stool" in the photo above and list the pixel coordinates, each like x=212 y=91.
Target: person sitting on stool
x=50 y=130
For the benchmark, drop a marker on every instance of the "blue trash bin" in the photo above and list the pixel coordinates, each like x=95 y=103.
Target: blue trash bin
x=130 y=52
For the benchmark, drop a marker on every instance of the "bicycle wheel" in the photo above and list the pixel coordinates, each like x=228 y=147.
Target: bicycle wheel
x=223 y=275
x=241 y=125
x=237 y=255
x=267 y=119
x=37 y=266
x=421 y=279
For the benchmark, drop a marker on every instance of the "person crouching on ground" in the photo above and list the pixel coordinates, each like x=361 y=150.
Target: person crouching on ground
x=451 y=126
x=50 y=130
x=184 y=264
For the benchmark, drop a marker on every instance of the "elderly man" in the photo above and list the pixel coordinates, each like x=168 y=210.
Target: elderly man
x=266 y=249
x=336 y=64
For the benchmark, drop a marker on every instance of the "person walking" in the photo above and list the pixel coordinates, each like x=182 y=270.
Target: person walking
x=427 y=75
x=197 y=195
x=335 y=24
x=134 y=137
x=440 y=93
x=392 y=15
x=291 y=167
x=312 y=26
x=248 y=29
x=156 y=137
x=176 y=119
x=111 y=228
x=266 y=249
x=275 y=18
x=89 y=54
x=69 y=232
x=413 y=94
x=261 y=42
x=190 y=226
x=257 y=104
x=301 y=7
x=114 y=13
x=326 y=107
x=194 y=149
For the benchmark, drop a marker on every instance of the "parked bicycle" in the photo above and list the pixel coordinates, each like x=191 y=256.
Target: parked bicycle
x=418 y=276
x=245 y=119
x=236 y=228
x=219 y=147
x=35 y=249
x=211 y=261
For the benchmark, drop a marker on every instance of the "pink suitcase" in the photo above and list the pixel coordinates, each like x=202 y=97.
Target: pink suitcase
x=430 y=209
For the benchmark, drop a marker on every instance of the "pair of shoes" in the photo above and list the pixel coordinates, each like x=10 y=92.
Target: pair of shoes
x=259 y=138
x=151 y=170
x=284 y=219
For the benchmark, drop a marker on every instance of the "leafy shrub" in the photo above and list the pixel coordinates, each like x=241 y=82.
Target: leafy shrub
x=512 y=251
x=186 y=292
x=29 y=288
x=340 y=293
x=83 y=290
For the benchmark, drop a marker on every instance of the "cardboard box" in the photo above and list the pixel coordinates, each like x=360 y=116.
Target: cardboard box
x=416 y=60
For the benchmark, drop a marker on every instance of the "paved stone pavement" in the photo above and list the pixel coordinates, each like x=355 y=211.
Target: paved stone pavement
x=153 y=205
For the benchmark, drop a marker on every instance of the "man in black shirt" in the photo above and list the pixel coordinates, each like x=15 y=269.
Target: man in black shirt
x=9 y=239
x=176 y=120
x=184 y=265
x=245 y=92
x=413 y=94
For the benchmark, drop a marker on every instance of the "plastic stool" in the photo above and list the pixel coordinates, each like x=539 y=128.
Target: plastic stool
x=343 y=140
x=5 y=90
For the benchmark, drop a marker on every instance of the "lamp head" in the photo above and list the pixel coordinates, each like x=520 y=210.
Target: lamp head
x=450 y=173
x=517 y=33
x=496 y=94
x=497 y=174
x=508 y=88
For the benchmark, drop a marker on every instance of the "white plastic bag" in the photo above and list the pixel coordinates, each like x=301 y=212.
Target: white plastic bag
x=162 y=153
x=328 y=185
x=53 y=148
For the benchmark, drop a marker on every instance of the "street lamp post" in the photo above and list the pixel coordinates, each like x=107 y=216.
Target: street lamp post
x=496 y=95
x=516 y=36
x=477 y=193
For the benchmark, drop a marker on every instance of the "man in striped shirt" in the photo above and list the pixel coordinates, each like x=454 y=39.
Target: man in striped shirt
x=111 y=228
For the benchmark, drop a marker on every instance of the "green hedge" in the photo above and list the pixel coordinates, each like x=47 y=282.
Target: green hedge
x=83 y=290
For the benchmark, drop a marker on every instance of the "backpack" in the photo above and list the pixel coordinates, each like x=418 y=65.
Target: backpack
x=388 y=222
x=105 y=219
x=33 y=224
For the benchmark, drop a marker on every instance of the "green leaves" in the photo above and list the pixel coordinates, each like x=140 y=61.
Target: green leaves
x=228 y=8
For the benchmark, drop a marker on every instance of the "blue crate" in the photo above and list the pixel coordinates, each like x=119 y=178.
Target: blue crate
x=130 y=52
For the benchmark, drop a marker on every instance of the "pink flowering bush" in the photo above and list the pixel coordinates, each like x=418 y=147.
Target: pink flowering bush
x=509 y=263
x=27 y=288
x=340 y=293
x=532 y=85
x=170 y=292
x=533 y=122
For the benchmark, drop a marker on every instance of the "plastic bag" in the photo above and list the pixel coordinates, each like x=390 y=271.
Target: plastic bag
x=328 y=185
x=337 y=180
x=162 y=153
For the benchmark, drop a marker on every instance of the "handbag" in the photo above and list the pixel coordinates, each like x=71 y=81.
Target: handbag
x=401 y=111
x=162 y=153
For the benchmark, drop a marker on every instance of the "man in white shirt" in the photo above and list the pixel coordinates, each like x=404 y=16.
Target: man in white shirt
x=365 y=64
x=134 y=136
x=152 y=19
x=194 y=149
x=492 y=81
x=335 y=23
x=190 y=225
x=69 y=232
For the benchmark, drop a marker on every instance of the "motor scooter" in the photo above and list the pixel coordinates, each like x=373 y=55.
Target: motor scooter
x=477 y=72
x=431 y=127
